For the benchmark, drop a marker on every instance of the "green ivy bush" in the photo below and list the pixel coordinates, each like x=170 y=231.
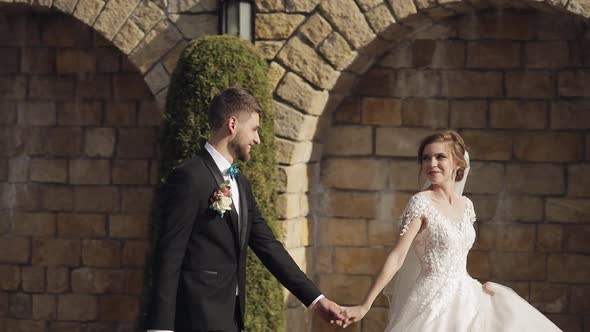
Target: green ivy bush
x=206 y=66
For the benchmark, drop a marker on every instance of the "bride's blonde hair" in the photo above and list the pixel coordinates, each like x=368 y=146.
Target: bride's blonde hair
x=456 y=144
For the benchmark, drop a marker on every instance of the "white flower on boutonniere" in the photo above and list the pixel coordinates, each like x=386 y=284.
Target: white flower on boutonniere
x=221 y=199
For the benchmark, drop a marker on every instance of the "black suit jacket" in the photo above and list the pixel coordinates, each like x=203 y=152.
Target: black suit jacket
x=200 y=257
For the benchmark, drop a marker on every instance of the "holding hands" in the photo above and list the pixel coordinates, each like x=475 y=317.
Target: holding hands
x=354 y=314
x=340 y=316
x=330 y=312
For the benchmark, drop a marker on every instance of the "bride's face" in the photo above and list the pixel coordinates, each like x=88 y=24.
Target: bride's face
x=438 y=163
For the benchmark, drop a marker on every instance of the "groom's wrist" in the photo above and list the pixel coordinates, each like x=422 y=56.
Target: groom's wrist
x=316 y=301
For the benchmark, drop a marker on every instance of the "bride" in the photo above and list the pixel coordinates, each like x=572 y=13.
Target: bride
x=432 y=290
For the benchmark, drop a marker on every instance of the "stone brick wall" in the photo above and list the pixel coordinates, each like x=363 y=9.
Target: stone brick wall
x=78 y=129
x=514 y=84
x=504 y=86
x=152 y=33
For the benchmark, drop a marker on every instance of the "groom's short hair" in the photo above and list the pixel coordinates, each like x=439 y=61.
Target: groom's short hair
x=231 y=102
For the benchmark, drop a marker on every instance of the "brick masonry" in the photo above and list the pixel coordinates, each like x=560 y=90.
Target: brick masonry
x=515 y=108
x=76 y=185
x=74 y=110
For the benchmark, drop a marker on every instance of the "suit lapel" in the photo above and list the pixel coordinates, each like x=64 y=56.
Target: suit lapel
x=243 y=211
x=210 y=163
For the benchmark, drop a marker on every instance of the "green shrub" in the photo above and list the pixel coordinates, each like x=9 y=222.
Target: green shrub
x=206 y=66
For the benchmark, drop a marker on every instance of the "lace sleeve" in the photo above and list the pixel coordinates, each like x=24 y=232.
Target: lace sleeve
x=470 y=211
x=414 y=209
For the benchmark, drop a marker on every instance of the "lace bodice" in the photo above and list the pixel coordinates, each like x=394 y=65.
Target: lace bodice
x=433 y=292
x=441 y=247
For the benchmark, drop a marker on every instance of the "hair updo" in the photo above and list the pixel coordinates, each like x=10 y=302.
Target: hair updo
x=456 y=144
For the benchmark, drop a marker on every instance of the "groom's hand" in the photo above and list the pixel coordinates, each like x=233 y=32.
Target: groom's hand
x=330 y=312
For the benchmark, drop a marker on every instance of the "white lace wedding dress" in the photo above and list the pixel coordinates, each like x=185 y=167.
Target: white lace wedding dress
x=443 y=297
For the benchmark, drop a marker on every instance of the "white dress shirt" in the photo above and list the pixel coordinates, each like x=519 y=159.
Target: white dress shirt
x=223 y=165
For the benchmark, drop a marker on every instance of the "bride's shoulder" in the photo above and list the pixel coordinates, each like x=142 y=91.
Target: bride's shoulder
x=416 y=207
x=424 y=195
x=419 y=199
x=470 y=209
x=468 y=200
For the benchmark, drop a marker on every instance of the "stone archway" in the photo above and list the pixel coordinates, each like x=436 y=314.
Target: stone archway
x=330 y=56
x=320 y=54
x=82 y=85
x=318 y=49
x=151 y=32
x=77 y=188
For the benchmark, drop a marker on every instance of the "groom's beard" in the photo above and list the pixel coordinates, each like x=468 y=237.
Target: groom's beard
x=239 y=151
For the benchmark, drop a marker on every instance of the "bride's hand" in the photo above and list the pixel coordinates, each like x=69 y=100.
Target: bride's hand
x=354 y=314
x=487 y=290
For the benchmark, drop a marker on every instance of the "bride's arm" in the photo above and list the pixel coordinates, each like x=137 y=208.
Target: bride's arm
x=394 y=261
x=392 y=264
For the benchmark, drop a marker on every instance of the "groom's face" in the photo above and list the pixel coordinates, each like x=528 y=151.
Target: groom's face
x=246 y=136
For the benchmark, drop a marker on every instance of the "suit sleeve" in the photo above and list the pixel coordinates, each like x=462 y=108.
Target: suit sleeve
x=275 y=257
x=179 y=207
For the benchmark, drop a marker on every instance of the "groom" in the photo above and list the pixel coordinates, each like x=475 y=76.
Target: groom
x=200 y=258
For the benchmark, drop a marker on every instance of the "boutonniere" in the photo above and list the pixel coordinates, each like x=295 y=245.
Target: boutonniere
x=221 y=199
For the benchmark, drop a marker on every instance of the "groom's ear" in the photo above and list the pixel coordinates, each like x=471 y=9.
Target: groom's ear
x=232 y=124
